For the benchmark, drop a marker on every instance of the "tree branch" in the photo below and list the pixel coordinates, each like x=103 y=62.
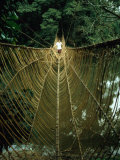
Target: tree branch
x=111 y=12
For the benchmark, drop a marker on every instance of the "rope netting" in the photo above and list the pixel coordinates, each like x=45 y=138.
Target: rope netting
x=63 y=106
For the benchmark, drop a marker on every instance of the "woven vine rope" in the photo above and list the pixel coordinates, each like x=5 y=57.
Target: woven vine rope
x=63 y=106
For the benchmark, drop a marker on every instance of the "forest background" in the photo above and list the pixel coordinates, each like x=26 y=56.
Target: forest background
x=84 y=22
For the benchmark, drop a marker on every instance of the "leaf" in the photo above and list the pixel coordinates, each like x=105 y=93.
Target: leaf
x=13 y=24
x=13 y=16
x=3 y=36
x=26 y=7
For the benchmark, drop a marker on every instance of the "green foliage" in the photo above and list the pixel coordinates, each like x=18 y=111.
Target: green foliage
x=52 y=14
x=27 y=7
x=83 y=22
x=44 y=2
x=50 y=23
x=14 y=112
x=13 y=25
x=70 y=8
x=10 y=24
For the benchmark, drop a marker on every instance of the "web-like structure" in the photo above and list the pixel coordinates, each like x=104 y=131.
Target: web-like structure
x=60 y=106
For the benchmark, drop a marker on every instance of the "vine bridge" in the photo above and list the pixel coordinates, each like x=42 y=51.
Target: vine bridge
x=60 y=106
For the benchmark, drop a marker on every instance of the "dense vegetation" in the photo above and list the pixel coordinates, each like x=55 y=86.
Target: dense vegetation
x=83 y=22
